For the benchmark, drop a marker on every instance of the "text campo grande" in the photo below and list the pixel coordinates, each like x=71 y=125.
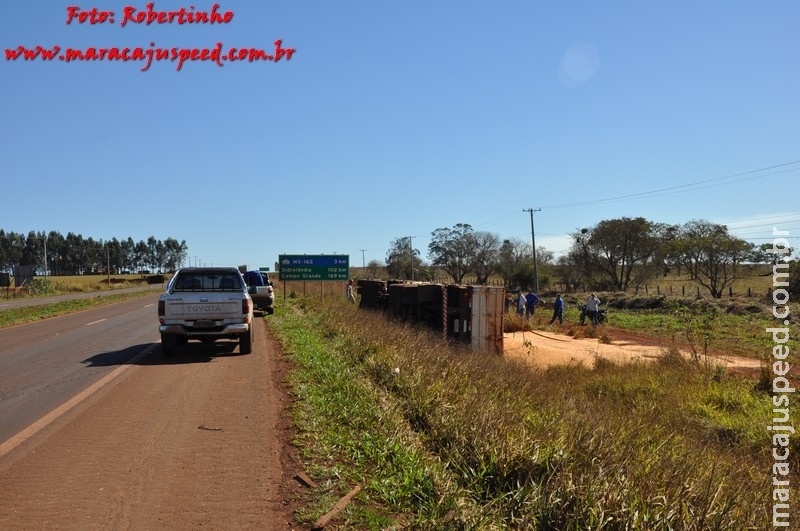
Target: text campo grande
x=781 y=428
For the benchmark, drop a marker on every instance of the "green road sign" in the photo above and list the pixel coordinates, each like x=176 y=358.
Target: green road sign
x=314 y=267
x=264 y=269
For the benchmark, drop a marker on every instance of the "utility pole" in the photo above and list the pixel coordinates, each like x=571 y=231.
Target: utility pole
x=533 y=244
x=363 y=263
x=45 y=260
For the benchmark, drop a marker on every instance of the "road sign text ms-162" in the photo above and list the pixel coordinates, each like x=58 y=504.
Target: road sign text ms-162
x=314 y=267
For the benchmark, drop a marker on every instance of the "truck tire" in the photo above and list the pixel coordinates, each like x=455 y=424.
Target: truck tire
x=246 y=342
x=168 y=342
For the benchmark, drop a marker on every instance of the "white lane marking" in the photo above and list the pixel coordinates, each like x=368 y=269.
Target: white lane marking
x=95 y=322
x=37 y=426
x=148 y=305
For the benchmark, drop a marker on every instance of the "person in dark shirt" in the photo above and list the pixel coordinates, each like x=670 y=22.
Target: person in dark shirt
x=531 y=300
x=558 y=310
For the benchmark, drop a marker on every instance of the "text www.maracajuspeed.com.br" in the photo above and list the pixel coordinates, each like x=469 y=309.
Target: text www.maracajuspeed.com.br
x=148 y=55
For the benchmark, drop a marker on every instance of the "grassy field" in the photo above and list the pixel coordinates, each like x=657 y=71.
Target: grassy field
x=445 y=438
x=60 y=285
x=440 y=437
x=730 y=325
x=30 y=314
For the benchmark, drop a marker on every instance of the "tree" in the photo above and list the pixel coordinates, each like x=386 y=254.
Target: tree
x=141 y=259
x=128 y=255
x=794 y=277
x=614 y=249
x=374 y=268
x=33 y=251
x=711 y=253
x=570 y=271
x=485 y=255
x=763 y=255
x=511 y=258
x=515 y=264
x=94 y=255
x=11 y=247
x=74 y=255
x=3 y=251
x=152 y=258
x=174 y=253
x=56 y=249
x=402 y=258
x=450 y=250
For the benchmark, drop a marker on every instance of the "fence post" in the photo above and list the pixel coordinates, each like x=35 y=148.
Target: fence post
x=730 y=291
x=683 y=290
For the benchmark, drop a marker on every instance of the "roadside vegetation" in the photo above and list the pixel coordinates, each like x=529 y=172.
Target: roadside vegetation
x=440 y=437
x=30 y=314
x=66 y=284
x=730 y=326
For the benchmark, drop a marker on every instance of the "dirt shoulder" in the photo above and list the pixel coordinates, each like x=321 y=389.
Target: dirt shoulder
x=198 y=440
x=545 y=348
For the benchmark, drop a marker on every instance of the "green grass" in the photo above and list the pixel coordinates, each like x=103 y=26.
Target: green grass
x=444 y=438
x=59 y=285
x=729 y=327
x=29 y=314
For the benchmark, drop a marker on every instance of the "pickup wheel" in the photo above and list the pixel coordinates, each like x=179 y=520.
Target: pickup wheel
x=168 y=342
x=246 y=342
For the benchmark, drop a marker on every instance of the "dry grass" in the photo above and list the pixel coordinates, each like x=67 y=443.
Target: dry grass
x=504 y=446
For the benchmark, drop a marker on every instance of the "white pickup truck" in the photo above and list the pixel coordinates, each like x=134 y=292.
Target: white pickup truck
x=205 y=303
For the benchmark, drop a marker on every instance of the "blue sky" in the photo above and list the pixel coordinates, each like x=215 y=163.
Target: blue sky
x=397 y=118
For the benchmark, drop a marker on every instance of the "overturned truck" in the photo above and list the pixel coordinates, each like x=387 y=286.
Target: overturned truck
x=472 y=314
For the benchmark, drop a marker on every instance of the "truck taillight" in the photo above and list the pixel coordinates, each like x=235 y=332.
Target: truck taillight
x=247 y=305
x=161 y=311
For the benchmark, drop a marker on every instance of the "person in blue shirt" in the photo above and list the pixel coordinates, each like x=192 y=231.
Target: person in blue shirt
x=558 y=310
x=531 y=300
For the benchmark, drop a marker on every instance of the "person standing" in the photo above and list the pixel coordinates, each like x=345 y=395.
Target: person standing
x=558 y=310
x=531 y=300
x=592 y=304
x=520 y=304
x=351 y=294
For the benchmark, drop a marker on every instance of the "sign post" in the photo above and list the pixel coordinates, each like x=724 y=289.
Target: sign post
x=325 y=267
x=321 y=267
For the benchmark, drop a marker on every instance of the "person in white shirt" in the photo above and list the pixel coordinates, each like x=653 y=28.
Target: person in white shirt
x=591 y=308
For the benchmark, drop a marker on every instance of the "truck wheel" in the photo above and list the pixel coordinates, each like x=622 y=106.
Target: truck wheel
x=168 y=342
x=246 y=342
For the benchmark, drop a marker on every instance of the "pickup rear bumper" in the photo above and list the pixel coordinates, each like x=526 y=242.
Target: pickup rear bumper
x=264 y=302
x=180 y=330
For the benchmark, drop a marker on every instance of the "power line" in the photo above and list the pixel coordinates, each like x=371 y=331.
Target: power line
x=763 y=217
x=675 y=189
x=689 y=187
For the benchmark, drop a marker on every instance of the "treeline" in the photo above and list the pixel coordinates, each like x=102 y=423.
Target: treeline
x=614 y=255
x=75 y=255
